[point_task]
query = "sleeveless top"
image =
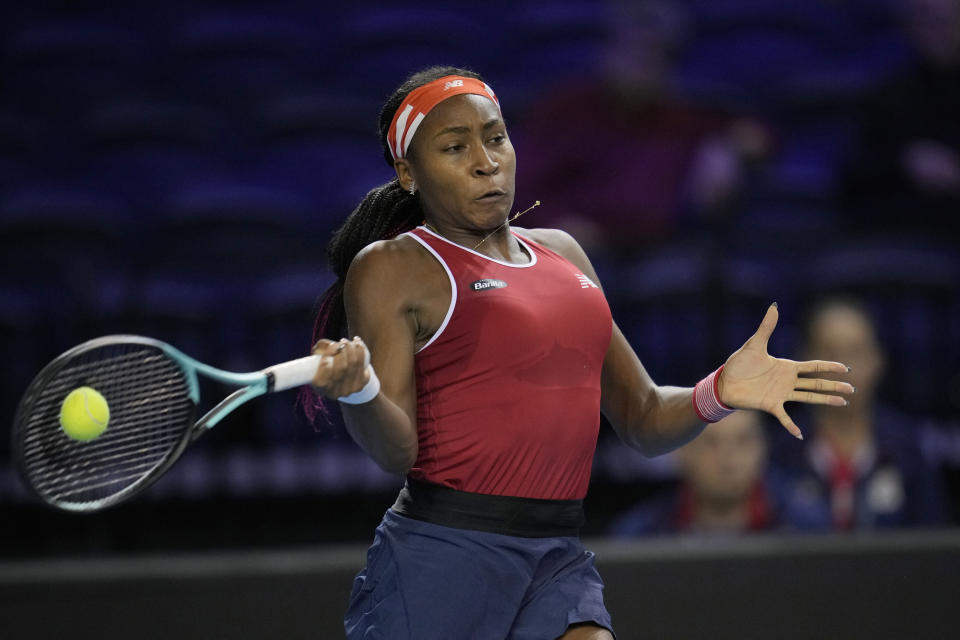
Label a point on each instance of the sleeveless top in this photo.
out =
(508, 388)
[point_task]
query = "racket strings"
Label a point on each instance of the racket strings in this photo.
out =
(150, 409)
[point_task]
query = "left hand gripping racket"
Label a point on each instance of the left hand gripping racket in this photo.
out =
(153, 393)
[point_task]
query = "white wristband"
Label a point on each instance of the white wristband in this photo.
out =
(368, 393)
(706, 400)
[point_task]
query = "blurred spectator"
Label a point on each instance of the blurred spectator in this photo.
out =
(619, 157)
(905, 171)
(862, 467)
(722, 490)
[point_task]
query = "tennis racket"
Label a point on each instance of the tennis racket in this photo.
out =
(153, 394)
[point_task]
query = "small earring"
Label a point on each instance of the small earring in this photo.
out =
(413, 188)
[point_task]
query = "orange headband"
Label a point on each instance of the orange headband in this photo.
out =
(422, 100)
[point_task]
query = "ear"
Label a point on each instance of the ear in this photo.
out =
(404, 173)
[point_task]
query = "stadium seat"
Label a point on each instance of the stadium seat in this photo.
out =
(231, 226)
(386, 42)
(658, 301)
(754, 60)
(57, 64)
(231, 57)
(912, 289)
(336, 172)
(142, 149)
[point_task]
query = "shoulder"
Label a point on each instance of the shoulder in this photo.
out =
(556, 240)
(559, 242)
(402, 250)
(391, 266)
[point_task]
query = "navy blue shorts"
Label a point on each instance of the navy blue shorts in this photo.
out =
(428, 581)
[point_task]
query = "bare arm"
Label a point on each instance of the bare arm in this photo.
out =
(377, 298)
(656, 419)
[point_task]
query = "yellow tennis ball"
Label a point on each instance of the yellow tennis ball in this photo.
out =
(84, 414)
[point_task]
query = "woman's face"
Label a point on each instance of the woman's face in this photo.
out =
(463, 164)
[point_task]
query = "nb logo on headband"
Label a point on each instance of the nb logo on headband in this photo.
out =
(452, 83)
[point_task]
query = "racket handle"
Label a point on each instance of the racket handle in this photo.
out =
(299, 372)
(294, 373)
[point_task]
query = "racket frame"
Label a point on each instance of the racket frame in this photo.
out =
(279, 377)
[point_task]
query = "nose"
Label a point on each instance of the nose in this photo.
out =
(485, 165)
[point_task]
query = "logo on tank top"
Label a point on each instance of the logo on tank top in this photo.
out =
(585, 282)
(487, 283)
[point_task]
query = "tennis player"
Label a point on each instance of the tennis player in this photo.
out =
(493, 353)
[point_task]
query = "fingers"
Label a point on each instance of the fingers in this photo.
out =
(819, 390)
(814, 391)
(817, 398)
(788, 424)
(325, 347)
(824, 386)
(767, 325)
(356, 361)
(343, 370)
(822, 366)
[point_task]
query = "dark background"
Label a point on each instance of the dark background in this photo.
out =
(175, 170)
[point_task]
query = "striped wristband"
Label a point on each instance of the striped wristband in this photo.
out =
(706, 399)
(368, 393)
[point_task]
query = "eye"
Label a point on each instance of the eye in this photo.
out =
(453, 148)
(498, 139)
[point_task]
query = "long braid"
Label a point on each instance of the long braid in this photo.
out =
(368, 222)
(384, 213)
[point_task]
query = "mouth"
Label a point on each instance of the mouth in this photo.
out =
(493, 194)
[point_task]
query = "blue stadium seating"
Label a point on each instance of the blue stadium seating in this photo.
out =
(912, 288)
(176, 169)
(142, 149)
(231, 57)
(58, 64)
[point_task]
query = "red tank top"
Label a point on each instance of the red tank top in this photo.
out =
(508, 389)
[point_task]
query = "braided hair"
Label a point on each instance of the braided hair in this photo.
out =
(384, 213)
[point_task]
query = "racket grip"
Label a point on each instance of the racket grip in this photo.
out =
(294, 373)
